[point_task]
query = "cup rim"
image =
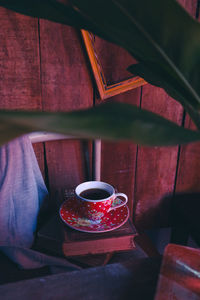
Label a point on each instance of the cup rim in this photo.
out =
(94, 181)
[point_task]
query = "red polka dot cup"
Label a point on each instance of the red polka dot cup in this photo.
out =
(97, 198)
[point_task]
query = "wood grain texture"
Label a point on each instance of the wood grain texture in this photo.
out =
(118, 167)
(119, 158)
(66, 86)
(114, 62)
(19, 62)
(65, 164)
(190, 6)
(188, 176)
(39, 153)
(179, 274)
(156, 167)
(19, 66)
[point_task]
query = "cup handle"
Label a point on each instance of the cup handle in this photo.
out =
(121, 204)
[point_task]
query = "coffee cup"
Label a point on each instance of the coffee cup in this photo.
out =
(96, 199)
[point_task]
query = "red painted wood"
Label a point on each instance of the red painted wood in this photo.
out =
(114, 62)
(118, 167)
(179, 275)
(190, 6)
(156, 167)
(66, 86)
(19, 61)
(188, 177)
(118, 159)
(19, 66)
(65, 164)
(39, 153)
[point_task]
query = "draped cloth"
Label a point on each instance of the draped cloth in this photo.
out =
(22, 194)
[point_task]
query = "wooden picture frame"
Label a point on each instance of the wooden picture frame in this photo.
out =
(105, 90)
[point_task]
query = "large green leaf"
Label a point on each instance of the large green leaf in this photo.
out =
(46, 9)
(164, 81)
(159, 34)
(112, 121)
(50, 10)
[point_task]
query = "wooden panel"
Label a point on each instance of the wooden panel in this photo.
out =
(118, 167)
(66, 86)
(179, 274)
(190, 6)
(188, 176)
(65, 164)
(39, 153)
(156, 167)
(114, 62)
(19, 61)
(19, 66)
(118, 159)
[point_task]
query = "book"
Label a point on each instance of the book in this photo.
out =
(56, 237)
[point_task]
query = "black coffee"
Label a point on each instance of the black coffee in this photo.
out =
(95, 194)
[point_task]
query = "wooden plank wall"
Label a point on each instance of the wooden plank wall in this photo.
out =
(118, 159)
(157, 167)
(147, 174)
(43, 66)
(188, 175)
(66, 85)
(20, 67)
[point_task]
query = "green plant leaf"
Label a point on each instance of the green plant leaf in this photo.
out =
(51, 10)
(161, 80)
(158, 33)
(46, 9)
(111, 121)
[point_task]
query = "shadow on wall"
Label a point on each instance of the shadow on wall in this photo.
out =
(156, 216)
(171, 210)
(183, 225)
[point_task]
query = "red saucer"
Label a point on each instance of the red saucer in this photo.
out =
(69, 213)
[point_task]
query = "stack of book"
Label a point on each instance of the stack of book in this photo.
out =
(56, 237)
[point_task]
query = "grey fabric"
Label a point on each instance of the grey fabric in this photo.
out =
(22, 193)
(31, 259)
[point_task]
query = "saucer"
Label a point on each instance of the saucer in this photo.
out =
(113, 219)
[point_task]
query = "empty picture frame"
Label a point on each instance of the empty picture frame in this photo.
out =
(106, 90)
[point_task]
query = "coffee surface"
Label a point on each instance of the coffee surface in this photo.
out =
(95, 194)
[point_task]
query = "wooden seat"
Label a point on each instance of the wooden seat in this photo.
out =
(132, 279)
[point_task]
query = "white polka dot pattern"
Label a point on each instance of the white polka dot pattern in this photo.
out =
(72, 214)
